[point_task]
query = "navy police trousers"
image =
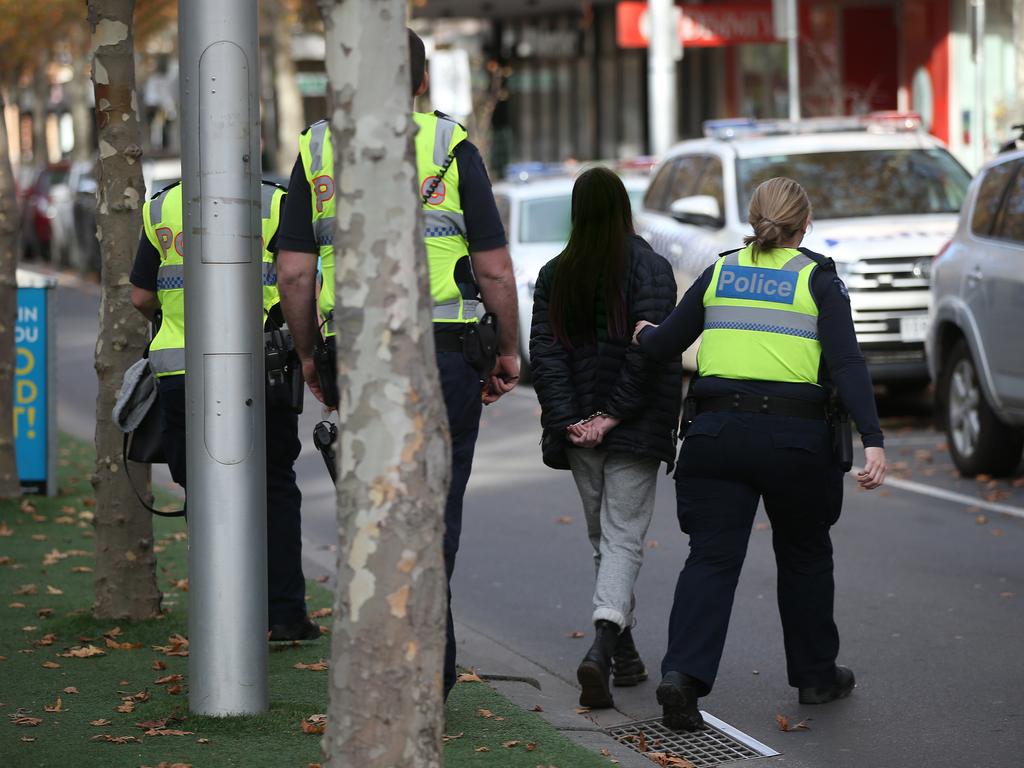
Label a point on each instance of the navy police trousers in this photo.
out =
(286, 584)
(728, 462)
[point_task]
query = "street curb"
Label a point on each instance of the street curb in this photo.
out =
(557, 697)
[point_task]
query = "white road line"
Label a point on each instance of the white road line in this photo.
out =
(941, 493)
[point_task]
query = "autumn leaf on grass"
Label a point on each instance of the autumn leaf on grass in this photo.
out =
(25, 721)
(5, 530)
(26, 589)
(181, 584)
(115, 739)
(47, 639)
(83, 652)
(101, 723)
(319, 666)
(38, 537)
(482, 749)
(126, 707)
(52, 590)
(159, 666)
(55, 707)
(536, 708)
(174, 690)
(81, 569)
(51, 665)
(70, 689)
(28, 739)
(177, 646)
(28, 507)
(168, 679)
(122, 646)
(64, 520)
(510, 744)
(485, 713)
(785, 725)
(16, 605)
(44, 613)
(469, 677)
(139, 697)
(148, 725)
(446, 737)
(319, 613)
(314, 724)
(168, 732)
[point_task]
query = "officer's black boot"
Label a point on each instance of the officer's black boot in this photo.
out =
(627, 668)
(677, 694)
(593, 671)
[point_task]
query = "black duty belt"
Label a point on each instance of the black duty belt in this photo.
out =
(774, 406)
(448, 336)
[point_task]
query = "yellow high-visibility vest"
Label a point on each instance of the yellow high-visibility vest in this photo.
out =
(163, 221)
(760, 318)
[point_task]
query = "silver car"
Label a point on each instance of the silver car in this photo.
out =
(975, 353)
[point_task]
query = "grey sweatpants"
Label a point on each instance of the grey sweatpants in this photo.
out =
(617, 490)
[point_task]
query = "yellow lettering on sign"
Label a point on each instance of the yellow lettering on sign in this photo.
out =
(25, 361)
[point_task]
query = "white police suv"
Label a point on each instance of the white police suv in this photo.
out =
(885, 196)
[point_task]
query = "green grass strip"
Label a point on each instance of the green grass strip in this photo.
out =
(52, 714)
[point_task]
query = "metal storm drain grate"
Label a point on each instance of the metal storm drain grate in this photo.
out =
(719, 743)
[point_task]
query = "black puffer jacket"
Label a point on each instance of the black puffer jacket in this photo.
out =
(612, 375)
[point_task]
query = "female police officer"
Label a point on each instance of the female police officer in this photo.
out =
(778, 335)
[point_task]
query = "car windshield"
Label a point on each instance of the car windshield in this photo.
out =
(548, 219)
(545, 220)
(879, 182)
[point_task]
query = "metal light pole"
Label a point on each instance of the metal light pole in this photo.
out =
(978, 113)
(662, 46)
(226, 460)
(792, 38)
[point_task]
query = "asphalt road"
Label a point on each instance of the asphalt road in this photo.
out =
(929, 598)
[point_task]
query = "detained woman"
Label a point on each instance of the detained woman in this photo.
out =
(609, 413)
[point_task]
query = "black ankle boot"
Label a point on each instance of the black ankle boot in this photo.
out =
(627, 668)
(677, 694)
(593, 671)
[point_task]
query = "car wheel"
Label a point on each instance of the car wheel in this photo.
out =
(978, 441)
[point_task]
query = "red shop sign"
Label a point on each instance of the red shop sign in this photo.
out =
(702, 26)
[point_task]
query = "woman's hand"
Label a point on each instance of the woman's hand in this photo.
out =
(639, 327)
(873, 474)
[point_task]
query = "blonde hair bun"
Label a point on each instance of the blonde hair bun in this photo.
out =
(779, 208)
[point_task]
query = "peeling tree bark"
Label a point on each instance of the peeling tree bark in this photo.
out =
(125, 563)
(9, 483)
(388, 639)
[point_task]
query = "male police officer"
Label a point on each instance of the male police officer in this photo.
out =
(158, 280)
(467, 253)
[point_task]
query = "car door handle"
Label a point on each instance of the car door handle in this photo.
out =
(975, 275)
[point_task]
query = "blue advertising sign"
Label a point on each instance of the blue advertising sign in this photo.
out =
(32, 428)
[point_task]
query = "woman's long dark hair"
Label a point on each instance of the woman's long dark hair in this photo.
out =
(593, 264)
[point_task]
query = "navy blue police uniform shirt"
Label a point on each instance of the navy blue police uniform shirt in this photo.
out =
(842, 362)
(147, 260)
(484, 229)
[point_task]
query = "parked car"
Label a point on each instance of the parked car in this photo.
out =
(38, 210)
(885, 198)
(537, 222)
(974, 352)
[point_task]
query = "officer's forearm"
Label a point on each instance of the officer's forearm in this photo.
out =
(493, 270)
(145, 301)
(296, 282)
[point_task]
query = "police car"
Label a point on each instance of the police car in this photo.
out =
(885, 194)
(535, 209)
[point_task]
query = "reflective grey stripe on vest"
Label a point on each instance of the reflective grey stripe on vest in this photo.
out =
(317, 133)
(269, 273)
(267, 199)
(450, 310)
(323, 230)
(170, 277)
(761, 319)
(156, 207)
(795, 264)
(443, 133)
(167, 360)
(443, 224)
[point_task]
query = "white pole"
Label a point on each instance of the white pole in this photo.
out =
(978, 123)
(226, 459)
(661, 74)
(792, 38)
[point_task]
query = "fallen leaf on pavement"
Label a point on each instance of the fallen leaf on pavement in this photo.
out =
(1006, 594)
(653, 544)
(997, 531)
(468, 677)
(582, 710)
(981, 519)
(55, 707)
(115, 739)
(576, 635)
(667, 761)
(564, 520)
(785, 725)
(536, 708)
(99, 723)
(318, 666)
(605, 752)
(762, 526)
(323, 579)
(983, 478)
